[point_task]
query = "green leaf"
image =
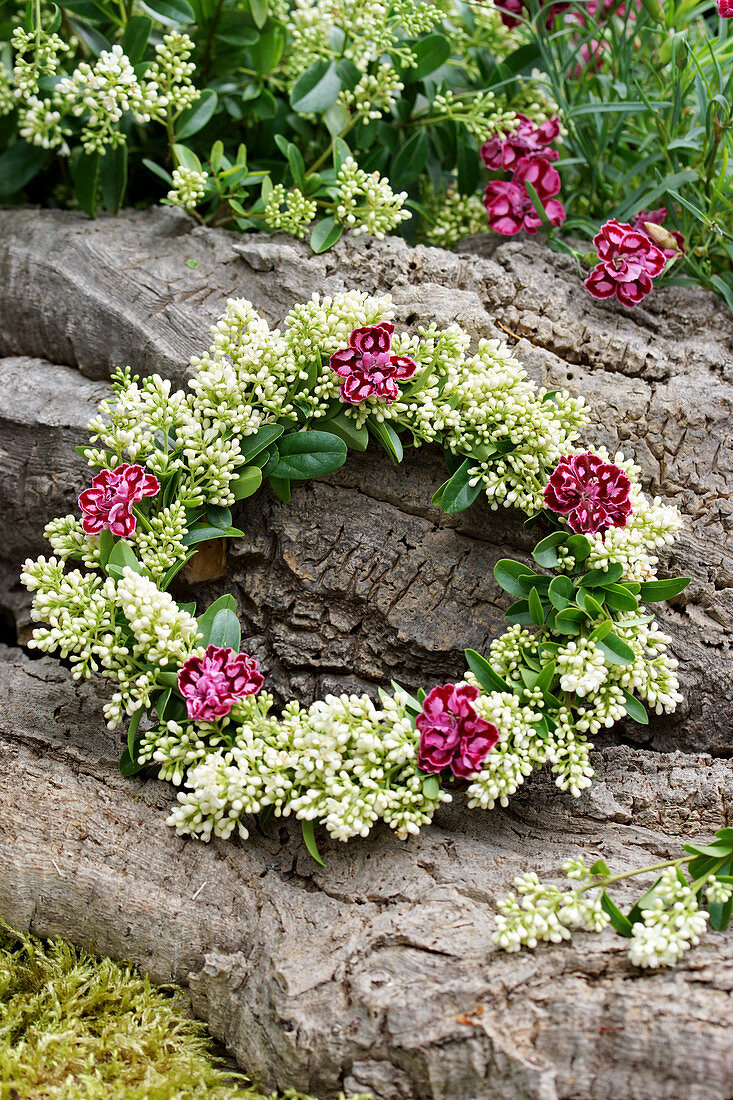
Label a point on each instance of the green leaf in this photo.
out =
(122, 556)
(545, 678)
(600, 869)
(726, 835)
(260, 10)
(601, 631)
(308, 454)
(431, 786)
(387, 436)
(519, 613)
(219, 516)
(309, 837)
(653, 591)
(132, 732)
(590, 605)
(247, 484)
(619, 922)
(106, 542)
(615, 651)
(597, 578)
(717, 851)
(569, 621)
(325, 233)
(579, 547)
(412, 703)
(458, 494)
(561, 592)
(175, 569)
(545, 552)
(206, 532)
(431, 51)
(281, 488)
(136, 35)
(635, 709)
(536, 610)
(316, 89)
(186, 158)
(113, 177)
(507, 574)
(225, 630)
(484, 673)
(206, 620)
(410, 161)
(345, 428)
(128, 766)
(158, 171)
(618, 597)
(251, 445)
(195, 117)
(170, 12)
(84, 175)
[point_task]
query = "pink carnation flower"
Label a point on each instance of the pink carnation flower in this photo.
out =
(211, 684)
(503, 154)
(109, 500)
(509, 206)
(451, 733)
(510, 10)
(593, 494)
(368, 367)
(628, 263)
(725, 9)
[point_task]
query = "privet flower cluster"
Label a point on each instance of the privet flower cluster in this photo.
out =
(170, 463)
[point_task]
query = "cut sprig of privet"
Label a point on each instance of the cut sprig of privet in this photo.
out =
(663, 923)
(581, 652)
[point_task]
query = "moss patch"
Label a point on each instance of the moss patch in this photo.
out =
(73, 1027)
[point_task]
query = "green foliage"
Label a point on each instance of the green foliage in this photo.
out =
(72, 1026)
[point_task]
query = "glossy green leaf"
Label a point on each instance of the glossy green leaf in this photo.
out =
(600, 869)
(219, 516)
(536, 610)
(206, 620)
(561, 592)
(618, 597)
(635, 709)
(458, 494)
(247, 484)
(357, 439)
(251, 445)
(136, 35)
(316, 89)
(309, 837)
(113, 178)
(170, 12)
(545, 678)
(545, 552)
(225, 630)
(206, 532)
(599, 577)
(260, 10)
(308, 454)
(410, 161)
(195, 117)
(619, 922)
(519, 613)
(122, 557)
(106, 543)
(325, 233)
(385, 434)
(431, 786)
(578, 546)
(281, 488)
(431, 51)
(569, 621)
(84, 169)
(484, 673)
(615, 651)
(507, 573)
(653, 591)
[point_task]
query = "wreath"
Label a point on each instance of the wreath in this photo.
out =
(581, 651)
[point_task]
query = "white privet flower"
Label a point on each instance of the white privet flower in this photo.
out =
(374, 93)
(477, 111)
(164, 634)
(44, 60)
(453, 216)
(366, 202)
(161, 546)
(544, 913)
(168, 80)
(189, 187)
(671, 925)
(289, 210)
(716, 892)
(39, 124)
(101, 94)
(581, 666)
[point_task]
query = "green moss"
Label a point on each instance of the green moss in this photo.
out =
(73, 1027)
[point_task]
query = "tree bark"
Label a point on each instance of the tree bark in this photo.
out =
(377, 973)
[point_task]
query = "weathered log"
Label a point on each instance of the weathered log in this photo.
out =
(377, 973)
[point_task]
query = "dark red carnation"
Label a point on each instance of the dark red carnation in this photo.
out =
(368, 367)
(451, 733)
(212, 683)
(109, 500)
(593, 494)
(628, 262)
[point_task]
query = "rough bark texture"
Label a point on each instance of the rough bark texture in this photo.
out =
(377, 973)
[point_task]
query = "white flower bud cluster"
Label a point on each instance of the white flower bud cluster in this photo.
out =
(45, 58)
(477, 111)
(670, 926)
(69, 540)
(7, 98)
(170, 76)
(342, 762)
(544, 914)
(453, 216)
(373, 95)
(519, 751)
(289, 210)
(40, 124)
(164, 634)
(717, 892)
(161, 546)
(582, 667)
(366, 202)
(101, 94)
(189, 187)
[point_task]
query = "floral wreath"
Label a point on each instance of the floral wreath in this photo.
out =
(581, 650)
